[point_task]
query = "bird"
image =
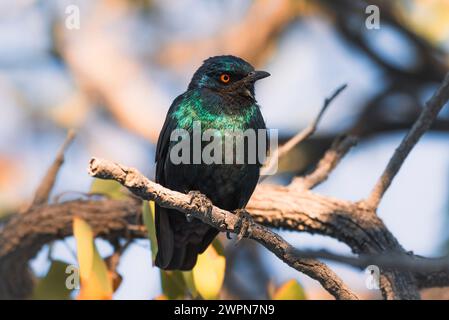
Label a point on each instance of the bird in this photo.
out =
(220, 96)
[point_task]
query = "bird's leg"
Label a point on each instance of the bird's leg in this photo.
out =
(245, 223)
(200, 201)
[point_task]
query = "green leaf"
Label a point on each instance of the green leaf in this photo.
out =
(53, 285)
(290, 290)
(110, 188)
(208, 273)
(218, 246)
(190, 283)
(173, 284)
(148, 220)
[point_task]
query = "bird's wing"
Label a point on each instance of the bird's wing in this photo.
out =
(164, 232)
(179, 241)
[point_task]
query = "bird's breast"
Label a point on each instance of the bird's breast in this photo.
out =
(213, 114)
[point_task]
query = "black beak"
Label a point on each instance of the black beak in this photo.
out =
(256, 75)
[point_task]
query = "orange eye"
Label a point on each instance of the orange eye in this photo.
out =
(225, 78)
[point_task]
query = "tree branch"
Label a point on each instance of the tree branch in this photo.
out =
(24, 235)
(43, 191)
(328, 163)
(422, 124)
(356, 224)
(221, 219)
(299, 137)
(404, 262)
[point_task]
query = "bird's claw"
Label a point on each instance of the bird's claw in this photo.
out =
(200, 201)
(245, 223)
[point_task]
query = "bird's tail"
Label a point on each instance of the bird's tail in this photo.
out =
(180, 241)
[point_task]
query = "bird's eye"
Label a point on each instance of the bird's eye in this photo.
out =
(225, 78)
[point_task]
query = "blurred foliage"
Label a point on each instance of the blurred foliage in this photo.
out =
(429, 18)
(289, 290)
(204, 281)
(148, 220)
(110, 188)
(53, 285)
(96, 280)
(173, 284)
(190, 283)
(209, 271)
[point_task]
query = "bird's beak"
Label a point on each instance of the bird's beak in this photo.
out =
(256, 75)
(248, 82)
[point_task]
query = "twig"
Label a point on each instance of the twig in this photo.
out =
(422, 124)
(114, 259)
(43, 191)
(404, 262)
(220, 219)
(300, 136)
(328, 163)
(432, 279)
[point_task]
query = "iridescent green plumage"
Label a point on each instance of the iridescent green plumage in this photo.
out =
(193, 107)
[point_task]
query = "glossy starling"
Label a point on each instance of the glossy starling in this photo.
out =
(220, 96)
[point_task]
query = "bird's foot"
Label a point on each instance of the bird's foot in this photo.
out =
(244, 225)
(200, 201)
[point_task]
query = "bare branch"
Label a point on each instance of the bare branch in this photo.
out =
(220, 219)
(302, 210)
(328, 163)
(43, 191)
(24, 235)
(432, 279)
(393, 260)
(271, 205)
(422, 124)
(300, 136)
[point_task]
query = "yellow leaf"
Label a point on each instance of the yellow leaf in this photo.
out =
(208, 273)
(99, 284)
(85, 246)
(290, 290)
(148, 220)
(110, 188)
(96, 281)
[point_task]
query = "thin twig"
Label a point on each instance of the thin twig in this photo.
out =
(422, 124)
(43, 191)
(300, 136)
(403, 262)
(327, 163)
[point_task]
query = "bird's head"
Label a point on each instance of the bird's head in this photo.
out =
(227, 75)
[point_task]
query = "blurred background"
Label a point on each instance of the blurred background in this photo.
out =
(114, 77)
